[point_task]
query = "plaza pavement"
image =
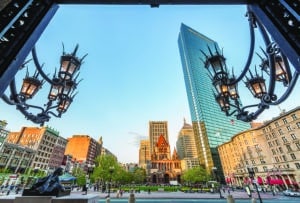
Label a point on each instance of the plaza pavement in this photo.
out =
(163, 195)
(182, 195)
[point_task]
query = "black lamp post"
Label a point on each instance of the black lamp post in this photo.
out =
(216, 177)
(60, 96)
(251, 176)
(35, 172)
(111, 170)
(90, 169)
(273, 62)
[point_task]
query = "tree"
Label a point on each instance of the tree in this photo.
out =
(106, 166)
(196, 175)
(139, 175)
(80, 176)
(81, 180)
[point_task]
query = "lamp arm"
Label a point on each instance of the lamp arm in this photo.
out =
(22, 105)
(252, 25)
(49, 107)
(237, 109)
(245, 116)
(13, 91)
(250, 106)
(30, 116)
(255, 114)
(39, 68)
(7, 100)
(231, 113)
(34, 118)
(53, 114)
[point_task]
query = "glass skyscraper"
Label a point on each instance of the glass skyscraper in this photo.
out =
(211, 126)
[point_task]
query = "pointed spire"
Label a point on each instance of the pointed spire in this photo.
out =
(100, 141)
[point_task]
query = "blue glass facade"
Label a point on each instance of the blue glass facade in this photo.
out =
(211, 126)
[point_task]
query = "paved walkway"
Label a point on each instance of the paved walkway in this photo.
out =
(165, 195)
(180, 195)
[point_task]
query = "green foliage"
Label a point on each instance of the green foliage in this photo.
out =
(81, 180)
(139, 175)
(78, 172)
(27, 171)
(107, 168)
(196, 175)
(34, 172)
(5, 170)
(80, 175)
(123, 177)
(152, 188)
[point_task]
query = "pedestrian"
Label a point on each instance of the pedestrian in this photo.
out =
(17, 189)
(11, 187)
(248, 191)
(84, 189)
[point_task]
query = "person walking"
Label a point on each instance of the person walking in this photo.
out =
(84, 189)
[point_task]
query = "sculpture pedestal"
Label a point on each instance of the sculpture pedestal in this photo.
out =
(33, 199)
(73, 198)
(29, 192)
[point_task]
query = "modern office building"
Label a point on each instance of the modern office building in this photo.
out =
(211, 126)
(156, 129)
(186, 147)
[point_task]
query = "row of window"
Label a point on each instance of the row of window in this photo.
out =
(284, 139)
(283, 158)
(297, 165)
(284, 121)
(4, 161)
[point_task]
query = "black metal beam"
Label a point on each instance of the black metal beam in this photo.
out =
(158, 2)
(282, 20)
(21, 24)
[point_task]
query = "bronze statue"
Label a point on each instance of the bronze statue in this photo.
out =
(48, 186)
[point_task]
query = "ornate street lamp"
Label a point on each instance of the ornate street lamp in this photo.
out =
(90, 169)
(216, 177)
(273, 62)
(61, 92)
(251, 176)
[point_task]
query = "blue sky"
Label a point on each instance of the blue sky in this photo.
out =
(132, 74)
